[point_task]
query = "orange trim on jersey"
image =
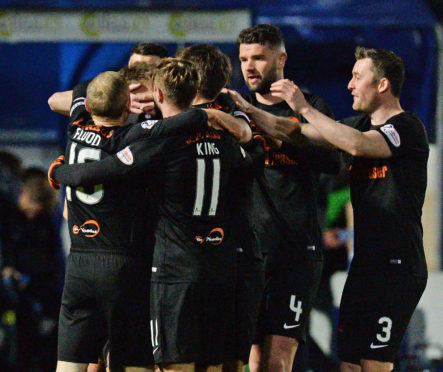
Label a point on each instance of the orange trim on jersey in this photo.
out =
(104, 131)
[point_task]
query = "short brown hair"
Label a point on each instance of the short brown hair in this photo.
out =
(179, 79)
(264, 34)
(107, 95)
(386, 64)
(139, 72)
(213, 65)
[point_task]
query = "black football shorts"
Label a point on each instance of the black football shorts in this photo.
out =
(192, 322)
(291, 285)
(374, 314)
(105, 301)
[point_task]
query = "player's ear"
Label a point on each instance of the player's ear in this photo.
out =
(282, 60)
(384, 85)
(158, 92)
(87, 106)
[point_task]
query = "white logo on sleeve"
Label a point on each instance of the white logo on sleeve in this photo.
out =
(392, 134)
(126, 156)
(148, 124)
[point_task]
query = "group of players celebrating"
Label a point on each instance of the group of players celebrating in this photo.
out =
(195, 242)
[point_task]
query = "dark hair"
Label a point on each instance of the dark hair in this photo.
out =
(263, 34)
(213, 66)
(140, 72)
(386, 64)
(150, 49)
(10, 161)
(34, 181)
(179, 79)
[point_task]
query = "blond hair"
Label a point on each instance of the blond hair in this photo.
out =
(107, 95)
(179, 81)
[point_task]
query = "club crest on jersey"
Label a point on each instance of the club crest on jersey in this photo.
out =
(90, 228)
(148, 124)
(126, 156)
(215, 237)
(391, 134)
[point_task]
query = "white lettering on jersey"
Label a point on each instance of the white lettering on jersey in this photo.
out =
(126, 156)
(391, 134)
(90, 138)
(207, 148)
(148, 124)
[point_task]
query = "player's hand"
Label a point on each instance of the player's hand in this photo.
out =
(142, 101)
(291, 93)
(240, 102)
(57, 162)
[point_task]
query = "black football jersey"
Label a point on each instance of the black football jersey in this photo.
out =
(284, 199)
(241, 185)
(387, 197)
(191, 174)
(100, 218)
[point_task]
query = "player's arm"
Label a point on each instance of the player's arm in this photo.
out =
(128, 164)
(282, 128)
(366, 144)
(60, 102)
(238, 127)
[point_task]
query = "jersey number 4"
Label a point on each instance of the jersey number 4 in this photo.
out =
(200, 187)
(81, 156)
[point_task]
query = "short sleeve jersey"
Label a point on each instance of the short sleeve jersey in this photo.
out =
(387, 197)
(92, 210)
(284, 205)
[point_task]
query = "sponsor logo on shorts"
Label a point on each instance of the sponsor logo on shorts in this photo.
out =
(148, 124)
(372, 346)
(126, 156)
(215, 237)
(391, 134)
(296, 307)
(289, 326)
(90, 228)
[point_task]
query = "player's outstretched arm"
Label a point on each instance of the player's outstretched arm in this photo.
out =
(276, 126)
(60, 102)
(365, 144)
(237, 127)
(127, 165)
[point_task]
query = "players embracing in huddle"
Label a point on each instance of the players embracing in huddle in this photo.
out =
(228, 235)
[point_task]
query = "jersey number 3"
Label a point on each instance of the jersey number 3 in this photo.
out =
(82, 156)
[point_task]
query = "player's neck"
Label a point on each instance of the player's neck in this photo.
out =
(385, 111)
(199, 100)
(170, 110)
(267, 99)
(107, 122)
